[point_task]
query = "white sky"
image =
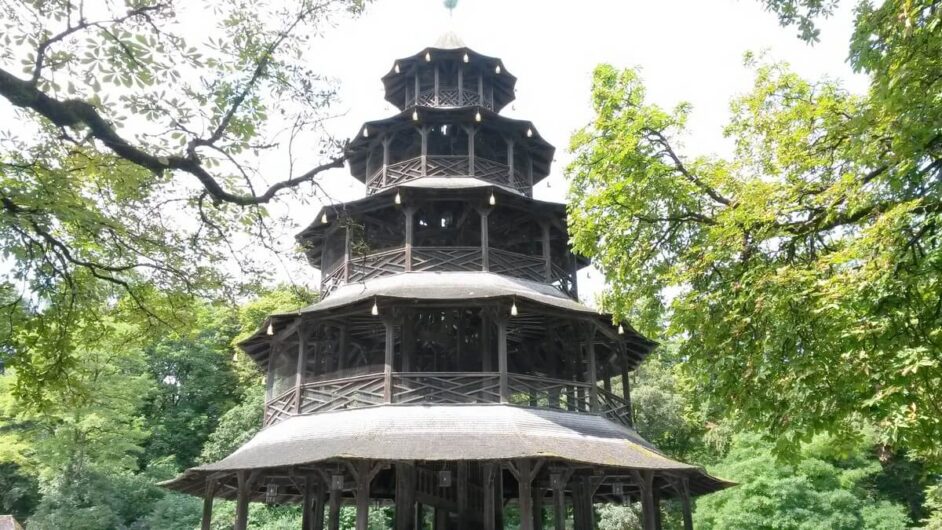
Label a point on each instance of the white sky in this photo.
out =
(687, 50)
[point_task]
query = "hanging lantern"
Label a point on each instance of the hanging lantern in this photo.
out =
(398, 199)
(271, 328)
(397, 68)
(621, 329)
(529, 132)
(366, 132)
(375, 310)
(444, 479)
(493, 200)
(618, 489)
(513, 309)
(497, 69)
(428, 56)
(465, 58)
(271, 494)
(477, 116)
(415, 115)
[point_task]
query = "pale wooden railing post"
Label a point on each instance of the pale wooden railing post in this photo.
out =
(502, 358)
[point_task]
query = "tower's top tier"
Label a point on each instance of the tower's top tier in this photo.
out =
(449, 74)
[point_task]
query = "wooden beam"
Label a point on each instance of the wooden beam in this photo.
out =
(489, 514)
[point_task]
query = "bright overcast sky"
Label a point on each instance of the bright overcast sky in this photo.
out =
(687, 51)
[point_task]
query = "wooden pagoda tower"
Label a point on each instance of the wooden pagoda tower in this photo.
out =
(448, 368)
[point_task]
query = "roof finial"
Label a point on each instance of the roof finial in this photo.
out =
(450, 5)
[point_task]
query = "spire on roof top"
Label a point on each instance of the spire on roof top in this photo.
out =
(449, 40)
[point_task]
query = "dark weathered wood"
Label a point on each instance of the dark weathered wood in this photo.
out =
(364, 471)
(464, 515)
(333, 515)
(547, 258)
(645, 479)
(409, 213)
(207, 520)
(307, 504)
(485, 259)
(502, 359)
(538, 493)
(490, 512)
(626, 385)
(685, 503)
(592, 371)
(525, 470)
(388, 360)
(244, 480)
(405, 496)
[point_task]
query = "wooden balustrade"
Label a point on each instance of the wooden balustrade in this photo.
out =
(447, 166)
(444, 388)
(441, 259)
(450, 96)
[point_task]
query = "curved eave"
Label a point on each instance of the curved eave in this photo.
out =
(428, 187)
(464, 287)
(449, 433)
(393, 82)
(359, 145)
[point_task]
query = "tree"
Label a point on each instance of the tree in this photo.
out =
(826, 487)
(131, 156)
(805, 269)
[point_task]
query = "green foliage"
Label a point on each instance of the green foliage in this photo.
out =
(826, 487)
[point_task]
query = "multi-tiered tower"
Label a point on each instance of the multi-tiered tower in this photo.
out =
(449, 366)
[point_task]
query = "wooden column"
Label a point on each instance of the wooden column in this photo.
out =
(386, 141)
(510, 163)
(364, 473)
(558, 481)
(417, 85)
(592, 370)
(336, 489)
(405, 496)
(524, 471)
(407, 339)
(388, 361)
(649, 517)
(342, 347)
(481, 88)
(463, 515)
(626, 384)
(346, 255)
(572, 270)
(547, 259)
(538, 507)
(472, 132)
(207, 521)
(460, 86)
(436, 100)
(409, 213)
(489, 514)
(502, 358)
(307, 505)
(299, 376)
(423, 131)
(485, 243)
(530, 172)
(440, 519)
(685, 502)
(580, 518)
(244, 481)
(321, 486)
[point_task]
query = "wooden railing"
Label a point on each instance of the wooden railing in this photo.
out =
(463, 258)
(446, 388)
(447, 166)
(449, 96)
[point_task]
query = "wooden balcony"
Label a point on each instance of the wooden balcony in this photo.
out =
(452, 96)
(439, 259)
(447, 388)
(448, 166)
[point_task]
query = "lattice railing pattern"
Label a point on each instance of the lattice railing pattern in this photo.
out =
(281, 407)
(446, 387)
(545, 392)
(447, 166)
(350, 393)
(446, 259)
(448, 97)
(518, 265)
(377, 264)
(614, 407)
(332, 279)
(563, 280)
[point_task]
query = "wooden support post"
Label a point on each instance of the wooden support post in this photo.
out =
(481, 89)
(207, 521)
(364, 471)
(244, 481)
(417, 85)
(436, 99)
(558, 480)
(573, 270)
(626, 384)
(524, 471)
(462, 490)
(547, 259)
(579, 516)
(342, 347)
(407, 339)
(649, 517)
(302, 366)
(488, 479)
(592, 370)
(485, 244)
(423, 131)
(346, 255)
(657, 511)
(388, 361)
(409, 213)
(307, 505)
(440, 521)
(386, 141)
(510, 163)
(419, 516)
(321, 486)
(336, 489)
(502, 358)
(460, 86)
(685, 502)
(530, 173)
(538, 507)
(405, 496)
(472, 132)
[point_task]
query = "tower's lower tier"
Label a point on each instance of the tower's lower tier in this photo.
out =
(464, 462)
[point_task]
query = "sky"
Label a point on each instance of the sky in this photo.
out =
(690, 50)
